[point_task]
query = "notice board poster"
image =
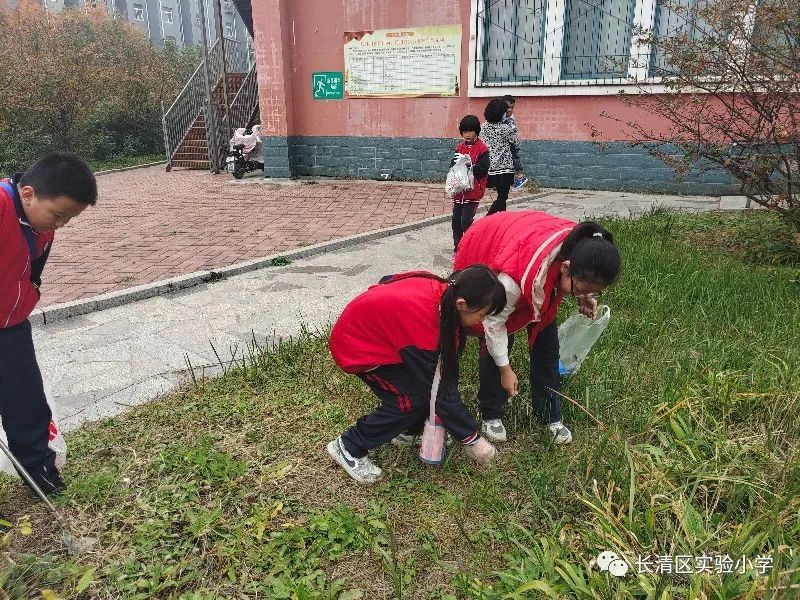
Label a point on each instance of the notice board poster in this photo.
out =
(403, 63)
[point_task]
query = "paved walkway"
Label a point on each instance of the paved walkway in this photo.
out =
(149, 225)
(103, 362)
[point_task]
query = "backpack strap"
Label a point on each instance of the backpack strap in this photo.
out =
(27, 230)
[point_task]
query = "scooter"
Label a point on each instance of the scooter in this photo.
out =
(246, 153)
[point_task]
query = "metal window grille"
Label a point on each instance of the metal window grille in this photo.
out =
(597, 38)
(513, 40)
(569, 42)
(672, 18)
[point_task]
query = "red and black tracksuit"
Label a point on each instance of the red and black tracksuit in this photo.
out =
(523, 245)
(465, 204)
(389, 337)
(23, 405)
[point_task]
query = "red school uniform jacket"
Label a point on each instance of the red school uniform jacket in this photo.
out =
(479, 154)
(389, 324)
(23, 253)
(520, 244)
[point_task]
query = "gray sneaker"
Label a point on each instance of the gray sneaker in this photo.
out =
(482, 452)
(361, 469)
(406, 440)
(494, 430)
(561, 435)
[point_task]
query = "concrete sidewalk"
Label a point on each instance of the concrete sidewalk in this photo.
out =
(150, 225)
(101, 363)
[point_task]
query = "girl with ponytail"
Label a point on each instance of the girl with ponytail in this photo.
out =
(393, 336)
(539, 259)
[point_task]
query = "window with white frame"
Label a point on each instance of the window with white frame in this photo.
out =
(679, 18)
(138, 12)
(574, 42)
(166, 15)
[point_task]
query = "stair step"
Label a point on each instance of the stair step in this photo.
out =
(193, 147)
(194, 143)
(188, 156)
(191, 164)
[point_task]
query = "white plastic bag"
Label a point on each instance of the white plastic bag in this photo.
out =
(459, 177)
(577, 335)
(57, 442)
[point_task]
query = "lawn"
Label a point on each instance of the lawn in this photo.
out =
(686, 445)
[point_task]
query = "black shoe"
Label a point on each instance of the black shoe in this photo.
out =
(49, 481)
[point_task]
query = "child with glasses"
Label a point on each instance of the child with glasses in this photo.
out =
(539, 259)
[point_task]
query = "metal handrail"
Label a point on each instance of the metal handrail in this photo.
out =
(245, 102)
(197, 73)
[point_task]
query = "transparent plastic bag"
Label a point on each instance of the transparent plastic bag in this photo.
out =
(577, 335)
(459, 178)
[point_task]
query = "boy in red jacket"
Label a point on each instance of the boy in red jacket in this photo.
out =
(32, 206)
(465, 204)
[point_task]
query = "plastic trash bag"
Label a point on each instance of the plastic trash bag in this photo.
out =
(577, 335)
(57, 442)
(459, 178)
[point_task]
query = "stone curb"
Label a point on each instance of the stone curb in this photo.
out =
(66, 310)
(109, 171)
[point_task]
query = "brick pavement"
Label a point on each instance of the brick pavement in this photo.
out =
(150, 225)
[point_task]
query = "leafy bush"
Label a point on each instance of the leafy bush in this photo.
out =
(96, 90)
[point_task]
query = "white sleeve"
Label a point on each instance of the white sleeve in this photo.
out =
(494, 326)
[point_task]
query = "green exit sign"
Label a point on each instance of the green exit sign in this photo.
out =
(328, 85)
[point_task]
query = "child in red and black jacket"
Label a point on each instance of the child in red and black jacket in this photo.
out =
(465, 204)
(32, 206)
(393, 336)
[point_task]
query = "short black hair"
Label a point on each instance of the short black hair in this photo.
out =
(495, 110)
(62, 174)
(470, 123)
(509, 99)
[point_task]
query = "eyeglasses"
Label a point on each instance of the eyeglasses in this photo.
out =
(587, 295)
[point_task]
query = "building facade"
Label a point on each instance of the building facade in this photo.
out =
(564, 60)
(177, 21)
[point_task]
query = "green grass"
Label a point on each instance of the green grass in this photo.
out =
(224, 490)
(121, 162)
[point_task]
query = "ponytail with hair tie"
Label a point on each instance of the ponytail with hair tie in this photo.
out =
(479, 287)
(592, 255)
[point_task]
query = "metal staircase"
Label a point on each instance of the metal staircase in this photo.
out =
(188, 138)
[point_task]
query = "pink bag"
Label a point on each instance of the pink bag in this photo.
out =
(434, 437)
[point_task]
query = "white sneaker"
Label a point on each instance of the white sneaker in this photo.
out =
(561, 435)
(361, 469)
(494, 430)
